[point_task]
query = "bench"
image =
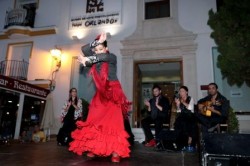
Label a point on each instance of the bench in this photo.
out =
(222, 126)
(164, 125)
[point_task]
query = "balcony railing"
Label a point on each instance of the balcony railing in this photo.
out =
(15, 69)
(20, 17)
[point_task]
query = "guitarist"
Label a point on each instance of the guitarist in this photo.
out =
(212, 109)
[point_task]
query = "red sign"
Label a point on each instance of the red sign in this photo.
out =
(21, 86)
(204, 87)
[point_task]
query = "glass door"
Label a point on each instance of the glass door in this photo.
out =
(8, 113)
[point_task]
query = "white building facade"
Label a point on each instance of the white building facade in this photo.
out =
(183, 36)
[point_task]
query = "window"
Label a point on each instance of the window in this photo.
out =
(157, 9)
(26, 3)
(17, 61)
(238, 96)
(33, 111)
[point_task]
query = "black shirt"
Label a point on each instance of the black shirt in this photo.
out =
(221, 105)
(155, 112)
(99, 58)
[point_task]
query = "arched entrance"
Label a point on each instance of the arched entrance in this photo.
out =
(180, 49)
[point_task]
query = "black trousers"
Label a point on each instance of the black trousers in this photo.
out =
(129, 131)
(147, 128)
(208, 122)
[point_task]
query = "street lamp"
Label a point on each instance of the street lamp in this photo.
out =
(56, 54)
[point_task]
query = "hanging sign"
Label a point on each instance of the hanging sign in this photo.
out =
(21, 86)
(94, 13)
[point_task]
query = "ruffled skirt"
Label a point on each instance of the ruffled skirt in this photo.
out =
(103, 132)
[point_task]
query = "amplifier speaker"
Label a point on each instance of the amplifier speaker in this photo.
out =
(225, 150)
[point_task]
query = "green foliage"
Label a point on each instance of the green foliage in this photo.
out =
(231, 32)
(233, 123)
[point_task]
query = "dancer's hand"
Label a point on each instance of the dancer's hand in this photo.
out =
(103, 37)
(82, 59)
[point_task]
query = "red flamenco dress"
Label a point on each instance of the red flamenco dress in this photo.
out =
(103, 132)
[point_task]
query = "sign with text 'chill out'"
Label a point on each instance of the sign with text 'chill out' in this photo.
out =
(94, 13)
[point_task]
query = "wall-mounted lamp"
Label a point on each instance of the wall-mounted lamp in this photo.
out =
(56, 54)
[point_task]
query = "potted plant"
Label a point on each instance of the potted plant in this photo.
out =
(233, 123)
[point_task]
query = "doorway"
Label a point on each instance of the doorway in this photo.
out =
(8, 113)
(166, 73)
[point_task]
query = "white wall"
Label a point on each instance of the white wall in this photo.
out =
(57, 12)
(49, 13)
(244, 122)
(193, 16)
(72, 48)
(4, 6)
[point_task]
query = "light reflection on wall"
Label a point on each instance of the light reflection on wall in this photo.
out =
(81, 33)
(161, 79)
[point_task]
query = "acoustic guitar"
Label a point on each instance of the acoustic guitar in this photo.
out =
(206, 111)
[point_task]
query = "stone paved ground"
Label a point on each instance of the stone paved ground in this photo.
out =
(49, 154)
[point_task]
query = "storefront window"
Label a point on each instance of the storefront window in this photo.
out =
(8, 113)
(33, 110)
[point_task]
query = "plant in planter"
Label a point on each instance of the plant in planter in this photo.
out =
(233, 123)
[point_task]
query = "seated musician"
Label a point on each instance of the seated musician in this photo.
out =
(212, 109)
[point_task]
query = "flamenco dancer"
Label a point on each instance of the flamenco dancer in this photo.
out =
(103, 133)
